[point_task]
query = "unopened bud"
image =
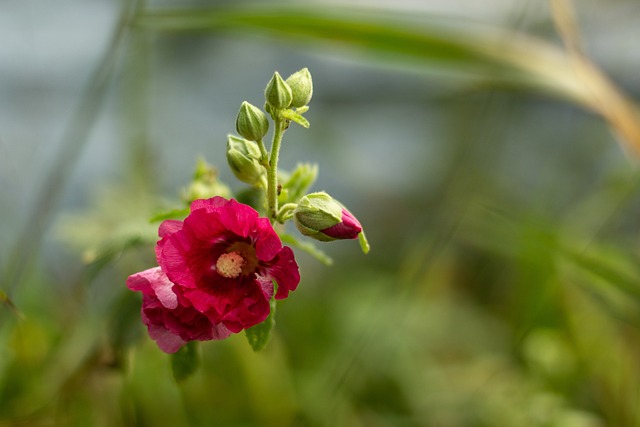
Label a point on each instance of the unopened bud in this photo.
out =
(323, 218)
(205, 184)
(301, 87)
(278, 93)
(243, 157)
(251, 122)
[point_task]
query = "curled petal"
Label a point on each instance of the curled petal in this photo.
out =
(284, 270)
(154, 281)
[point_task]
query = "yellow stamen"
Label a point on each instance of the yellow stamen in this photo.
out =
(229, 265)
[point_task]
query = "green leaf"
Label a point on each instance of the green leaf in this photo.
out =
(185, 362)
(258, 335)
(178, 213)
(295, 117)
(308, 247)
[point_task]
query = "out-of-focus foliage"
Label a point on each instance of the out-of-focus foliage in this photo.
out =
(503, 288)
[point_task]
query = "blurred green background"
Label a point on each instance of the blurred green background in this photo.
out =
(503, 286)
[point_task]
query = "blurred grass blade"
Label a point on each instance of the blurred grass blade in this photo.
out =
(4, 298)
(74, 138)
(308, 247)
(503, 57)
(612, 269)
(564, 18)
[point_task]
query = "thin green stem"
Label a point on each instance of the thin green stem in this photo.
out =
(272, 170)
(264, 160)
(285, 212)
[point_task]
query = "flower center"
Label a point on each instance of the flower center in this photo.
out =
(229, 265)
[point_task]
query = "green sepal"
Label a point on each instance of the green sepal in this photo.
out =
(185, 362)
(295, 117)
(258, 335)
(316, 212)
(364, 244)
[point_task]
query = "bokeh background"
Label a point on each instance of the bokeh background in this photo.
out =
(498, 190)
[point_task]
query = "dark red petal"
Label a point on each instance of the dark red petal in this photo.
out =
(166, 340)
(219, 332)
(238, 218)
(204, 226)
(188, 254)
(284, 270)
(267, 242)
(171, 254)
(266, 284)
(238, 304)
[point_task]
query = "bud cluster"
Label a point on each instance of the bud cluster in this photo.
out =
(316, 215)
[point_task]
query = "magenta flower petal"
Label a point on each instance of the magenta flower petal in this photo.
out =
(348, 228)
(268, 244)
(236, 304)
(238, 218)
(223, 258)
(154, 281)
(216, 274)
(284, 270)
(170, 319)
(169, 226)
(209, 205)
(166, 340)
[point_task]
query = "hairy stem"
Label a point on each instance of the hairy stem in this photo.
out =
(272, 170)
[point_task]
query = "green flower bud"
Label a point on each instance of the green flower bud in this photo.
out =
(205, 184)
(278, 93)
(321, 217)
(251, 122)
(243, 157)
(301, 87)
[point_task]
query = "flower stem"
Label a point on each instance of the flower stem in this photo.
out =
(272, 170)
(264, 159)
(285, 212)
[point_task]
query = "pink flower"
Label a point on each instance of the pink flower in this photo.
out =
(216, 275)
(171, 320)
(225, 258)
